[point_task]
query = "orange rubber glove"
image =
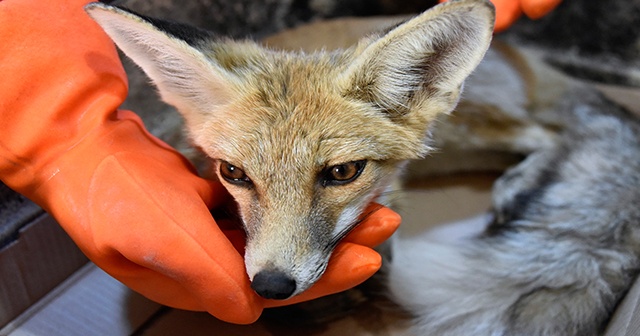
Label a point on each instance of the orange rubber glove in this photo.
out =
(132, 204)
(508, 11)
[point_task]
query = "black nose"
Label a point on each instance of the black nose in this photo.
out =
(273, 285)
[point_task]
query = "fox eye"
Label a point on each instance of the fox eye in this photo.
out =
(233, 174)
(343, 173)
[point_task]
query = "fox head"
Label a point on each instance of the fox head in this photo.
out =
(303, 142)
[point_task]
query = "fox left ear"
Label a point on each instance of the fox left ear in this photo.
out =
(168, 54)
(424, 60)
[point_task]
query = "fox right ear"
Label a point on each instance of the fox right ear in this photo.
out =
(167, 53)
(424, 61)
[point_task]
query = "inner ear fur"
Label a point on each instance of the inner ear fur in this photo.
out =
(168, 53)
(428, 56)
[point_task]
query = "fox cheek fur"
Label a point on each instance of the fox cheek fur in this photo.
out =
(284, 118)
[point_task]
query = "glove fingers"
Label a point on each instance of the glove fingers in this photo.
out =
(378, 225)
(152, 285)
(350, 265)
(212, 192)
(171, 233)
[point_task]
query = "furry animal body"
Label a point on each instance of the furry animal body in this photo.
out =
(561, 249)
(303, 141)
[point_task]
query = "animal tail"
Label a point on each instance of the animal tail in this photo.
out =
(484, 285)
(446, 291)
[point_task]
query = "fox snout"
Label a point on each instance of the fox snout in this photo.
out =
(285, 260)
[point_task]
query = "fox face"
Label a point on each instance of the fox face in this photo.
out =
(304, 142)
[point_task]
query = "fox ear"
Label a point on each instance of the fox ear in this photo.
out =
(168, 54)
(425, 59)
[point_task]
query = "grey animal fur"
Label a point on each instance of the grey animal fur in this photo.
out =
(563, 245)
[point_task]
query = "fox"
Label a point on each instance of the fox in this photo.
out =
(303, 139)
(304, 142)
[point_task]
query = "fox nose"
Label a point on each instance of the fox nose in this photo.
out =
(273, 285)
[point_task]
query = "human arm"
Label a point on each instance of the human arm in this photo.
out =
(131, 203)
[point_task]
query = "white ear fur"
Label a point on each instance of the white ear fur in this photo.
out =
(183, 75)
(433, 52)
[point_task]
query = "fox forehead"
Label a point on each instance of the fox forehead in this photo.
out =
(298, 108)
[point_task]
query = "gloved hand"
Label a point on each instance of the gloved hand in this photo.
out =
(508, 11)
(132, 204)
